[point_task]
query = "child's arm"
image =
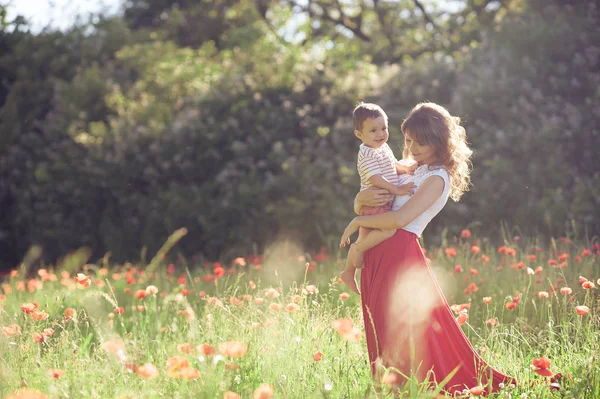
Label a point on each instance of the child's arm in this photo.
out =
(405, 169)
(381, 182)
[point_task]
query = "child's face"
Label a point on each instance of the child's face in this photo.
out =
(374, 132)
(423, 154)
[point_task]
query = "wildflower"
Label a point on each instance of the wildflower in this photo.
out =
(140, 294)
(458, 269)
(82, 280)
(239, 261)
(487, 300)
(462, 318)
(275, 306)
(520, 265)
(485, 258)
(29, 307)
(586, 252)
(532, 258)
(188, 373)
(541, 366)
(272, 293)
(175, 364)
(147, 371)
(206, 350)
(475, 249)
(259, 301)
(474, 272)
(219, 271)
(39, 337)
(119, 310)
(450, 252)
(538, 270)
(186, 348)
(117, 347)
(582, 310)
(344, 296)
(11, 330)
(233, 349)
(70, 312)
(587, 285)
(151, 290)
(265, 391)
(55, 373)
(345, 327)
(318, 356)
(252, 285)
(231, 395)
(292, 307)
(510, 305)
(466, 233)
(476, 391)
(543, 294)
(566, 291)
(491, 322)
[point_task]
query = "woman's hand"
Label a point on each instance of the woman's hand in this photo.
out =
(348, 231)
(372, 196)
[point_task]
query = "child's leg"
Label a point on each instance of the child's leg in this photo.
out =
(374, 238)
(348, 276)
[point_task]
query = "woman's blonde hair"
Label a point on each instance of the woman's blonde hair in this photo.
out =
(432, 124)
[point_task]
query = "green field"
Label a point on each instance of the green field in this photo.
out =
(265, 326)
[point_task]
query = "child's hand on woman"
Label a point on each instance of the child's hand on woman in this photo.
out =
(405, 189)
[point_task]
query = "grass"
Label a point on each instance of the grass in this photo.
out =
(265, 326)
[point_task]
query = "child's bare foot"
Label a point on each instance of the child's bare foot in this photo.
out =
(356, 257)
(347, 277)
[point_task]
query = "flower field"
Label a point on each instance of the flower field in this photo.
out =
(281, 325)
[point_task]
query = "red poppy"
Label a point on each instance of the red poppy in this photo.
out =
(466, 233)
(542, 366)
(582, 310)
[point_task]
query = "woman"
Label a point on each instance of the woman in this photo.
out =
(408, 323)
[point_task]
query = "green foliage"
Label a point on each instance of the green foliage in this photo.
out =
(115, 134)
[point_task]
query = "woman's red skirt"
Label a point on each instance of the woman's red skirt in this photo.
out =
(409, 325)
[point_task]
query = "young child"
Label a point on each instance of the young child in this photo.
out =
(377, 167)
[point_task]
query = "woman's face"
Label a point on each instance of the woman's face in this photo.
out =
(422, 153)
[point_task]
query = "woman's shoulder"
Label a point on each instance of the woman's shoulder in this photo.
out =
(425, 171)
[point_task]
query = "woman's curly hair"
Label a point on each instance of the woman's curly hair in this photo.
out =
(431, 124)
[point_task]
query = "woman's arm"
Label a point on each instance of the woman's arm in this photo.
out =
(429, 191)
(372, 196)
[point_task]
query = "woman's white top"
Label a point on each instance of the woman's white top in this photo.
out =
(421, 174)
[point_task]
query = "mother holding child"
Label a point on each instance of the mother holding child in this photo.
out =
(409, 326)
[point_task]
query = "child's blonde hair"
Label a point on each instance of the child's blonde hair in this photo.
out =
(431, 124)
(364, 111)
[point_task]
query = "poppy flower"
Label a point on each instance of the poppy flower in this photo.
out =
(292, 307)
(219, 272)
(231, 395)
(462, 318)
(466, 233)
(186, 348)
(566, 291)
(82, 280)
(55, 373)
(491, 322)
(476, 391)
(475, 250)
(11, 330)
(450, 252)
(458, 269)
(265, 391)
(115, 346)
(140, 294)
(29, 307)
(345, 327)
(147, 371)
(582, 310)
(541, 366)
(510, 305)
(206, 350)
(233, 349)
(543, 294)
(487, 300)
(344, 296)
(318, 356)
(587, 285)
